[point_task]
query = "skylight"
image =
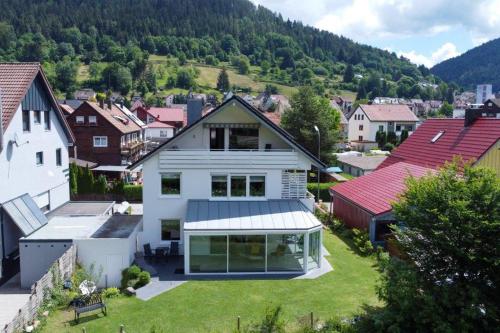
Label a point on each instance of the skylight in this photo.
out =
(437, 136)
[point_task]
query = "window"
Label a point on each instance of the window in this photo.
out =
(80, 120)
(257, 186)
(208, 254)
(219, 186)
(243, 138)
(360, 138)
(171, 184)
(409, 128)
(163, 133)
(58, 157)
(26, 121)
(39, 158)
(437, 136)
(46, 120)
(398, 128)
(381, 128)
(122, 140)
(37, 117)
(134, 137)
(360, 127)
(355, 117)
(170, 230)
(100, 141)
(238, 186)
(362, 117)
(217, 139)
(92, 120)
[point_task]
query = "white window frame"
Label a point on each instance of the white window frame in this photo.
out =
(170, 196)
(78, 118)
(93, 122)
(36, 158)
(247, 186)
(100, 138)
(167, 241)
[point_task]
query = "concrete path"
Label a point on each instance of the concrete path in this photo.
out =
(12, 298)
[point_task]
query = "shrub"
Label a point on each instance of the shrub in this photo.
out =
(130, 276)
(132, 192)
(111, 292)
(388, 146)
(324, 193)
(362, 241)
(143, 279)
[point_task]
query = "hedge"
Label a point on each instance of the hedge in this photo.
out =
(324, 193)
(132, 192)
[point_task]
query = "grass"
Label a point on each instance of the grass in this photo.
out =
(213, 306)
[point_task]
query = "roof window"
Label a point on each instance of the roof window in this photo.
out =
(437, 136)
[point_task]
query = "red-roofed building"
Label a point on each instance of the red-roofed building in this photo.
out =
(170, 116)
(365, 202)
(159, 132)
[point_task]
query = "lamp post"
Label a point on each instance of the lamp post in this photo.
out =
(319, 157)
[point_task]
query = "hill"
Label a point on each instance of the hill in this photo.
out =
(114, 40)
(476, 66)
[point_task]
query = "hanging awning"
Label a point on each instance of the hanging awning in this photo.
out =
(25, 214)
(333, 169)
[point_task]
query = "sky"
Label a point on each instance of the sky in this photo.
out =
(424, 31)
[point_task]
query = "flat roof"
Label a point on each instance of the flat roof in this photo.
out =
(249, 215)
(85, 227)
(82, 208)
(118, 226)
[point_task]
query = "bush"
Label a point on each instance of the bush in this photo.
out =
(111, 292)
(132, 192)
(324, 193)
(143, 279)
(129, 275)
(362, 241)
(388, 146)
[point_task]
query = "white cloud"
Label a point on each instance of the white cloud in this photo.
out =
(446, 51)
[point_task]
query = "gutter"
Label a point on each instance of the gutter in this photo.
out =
(1, 122)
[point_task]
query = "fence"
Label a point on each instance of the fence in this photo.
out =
(64, 267)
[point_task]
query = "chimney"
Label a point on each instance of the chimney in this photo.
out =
(109, 103)
(1, 122)
(194, 110)
(471, 115)
(101, 103)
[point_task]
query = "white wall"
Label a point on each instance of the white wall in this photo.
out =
(354, 132)
(155, 133)
(19, 173)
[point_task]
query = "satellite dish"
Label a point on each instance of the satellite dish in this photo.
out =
(17, 141)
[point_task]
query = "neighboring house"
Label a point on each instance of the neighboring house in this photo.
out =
(105, 135)
(359, 165)
(160, 132)
(34, 143)
(72, 103)
(344, 102)
(483, 93)
(231, 189)
(367, 120)
(365, 202)
(85, 94)
(66, 109)
(170, 116)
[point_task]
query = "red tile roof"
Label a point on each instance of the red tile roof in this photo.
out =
(15, 80)
(167, 114)
(115, 117)
(470, 142)
(158, 124)
(375, 192)
(388, 112)
(66, 109)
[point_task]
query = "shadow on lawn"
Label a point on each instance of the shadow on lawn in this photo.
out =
(85, 319)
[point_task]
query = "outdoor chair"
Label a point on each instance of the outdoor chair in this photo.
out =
(174, 249)
(159, 254)
(148, 254)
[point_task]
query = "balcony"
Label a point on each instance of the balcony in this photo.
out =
(227, 159)
(132, 148)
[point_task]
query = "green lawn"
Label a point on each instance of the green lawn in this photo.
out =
(213, 306)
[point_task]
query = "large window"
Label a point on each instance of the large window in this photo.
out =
(219, 186)
(100, 141)
(26, 121)
(238, 186)
(92, 120)
(244, 138)
(285, 253)
(247, 253)
(170, 230)
(314, 250)
(37, 117)
(217, 139)
(46, 120)
(58, 157)
(80, 120)
(208, 254)
(257, 186)
(39, 158)
(171, 184)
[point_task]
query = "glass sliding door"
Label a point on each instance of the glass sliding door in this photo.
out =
(285, 252)
(247, 253)
(208, 254)
(314, 250)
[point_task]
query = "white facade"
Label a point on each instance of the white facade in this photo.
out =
(189, 156)
(158, 133)
(483, 93)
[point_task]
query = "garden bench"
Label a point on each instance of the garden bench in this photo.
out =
(88, 304)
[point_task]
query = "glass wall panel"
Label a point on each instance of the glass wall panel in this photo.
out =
(314, 250)
(247, 253)
(208, 254)
(285, 253)
(244, 138)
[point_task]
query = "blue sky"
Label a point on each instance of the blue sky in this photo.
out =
(425, 31)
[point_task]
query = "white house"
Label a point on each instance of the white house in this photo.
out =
(230, 190)
(34, 141)
(367, 120)
(158, 131)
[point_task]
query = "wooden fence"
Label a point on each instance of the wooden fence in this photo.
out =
(64, 268)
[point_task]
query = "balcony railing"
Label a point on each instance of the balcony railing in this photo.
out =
(131, 147)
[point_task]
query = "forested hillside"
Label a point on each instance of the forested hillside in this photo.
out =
(477, 66)
(115, 39)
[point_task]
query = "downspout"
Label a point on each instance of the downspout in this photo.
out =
(1, 122)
